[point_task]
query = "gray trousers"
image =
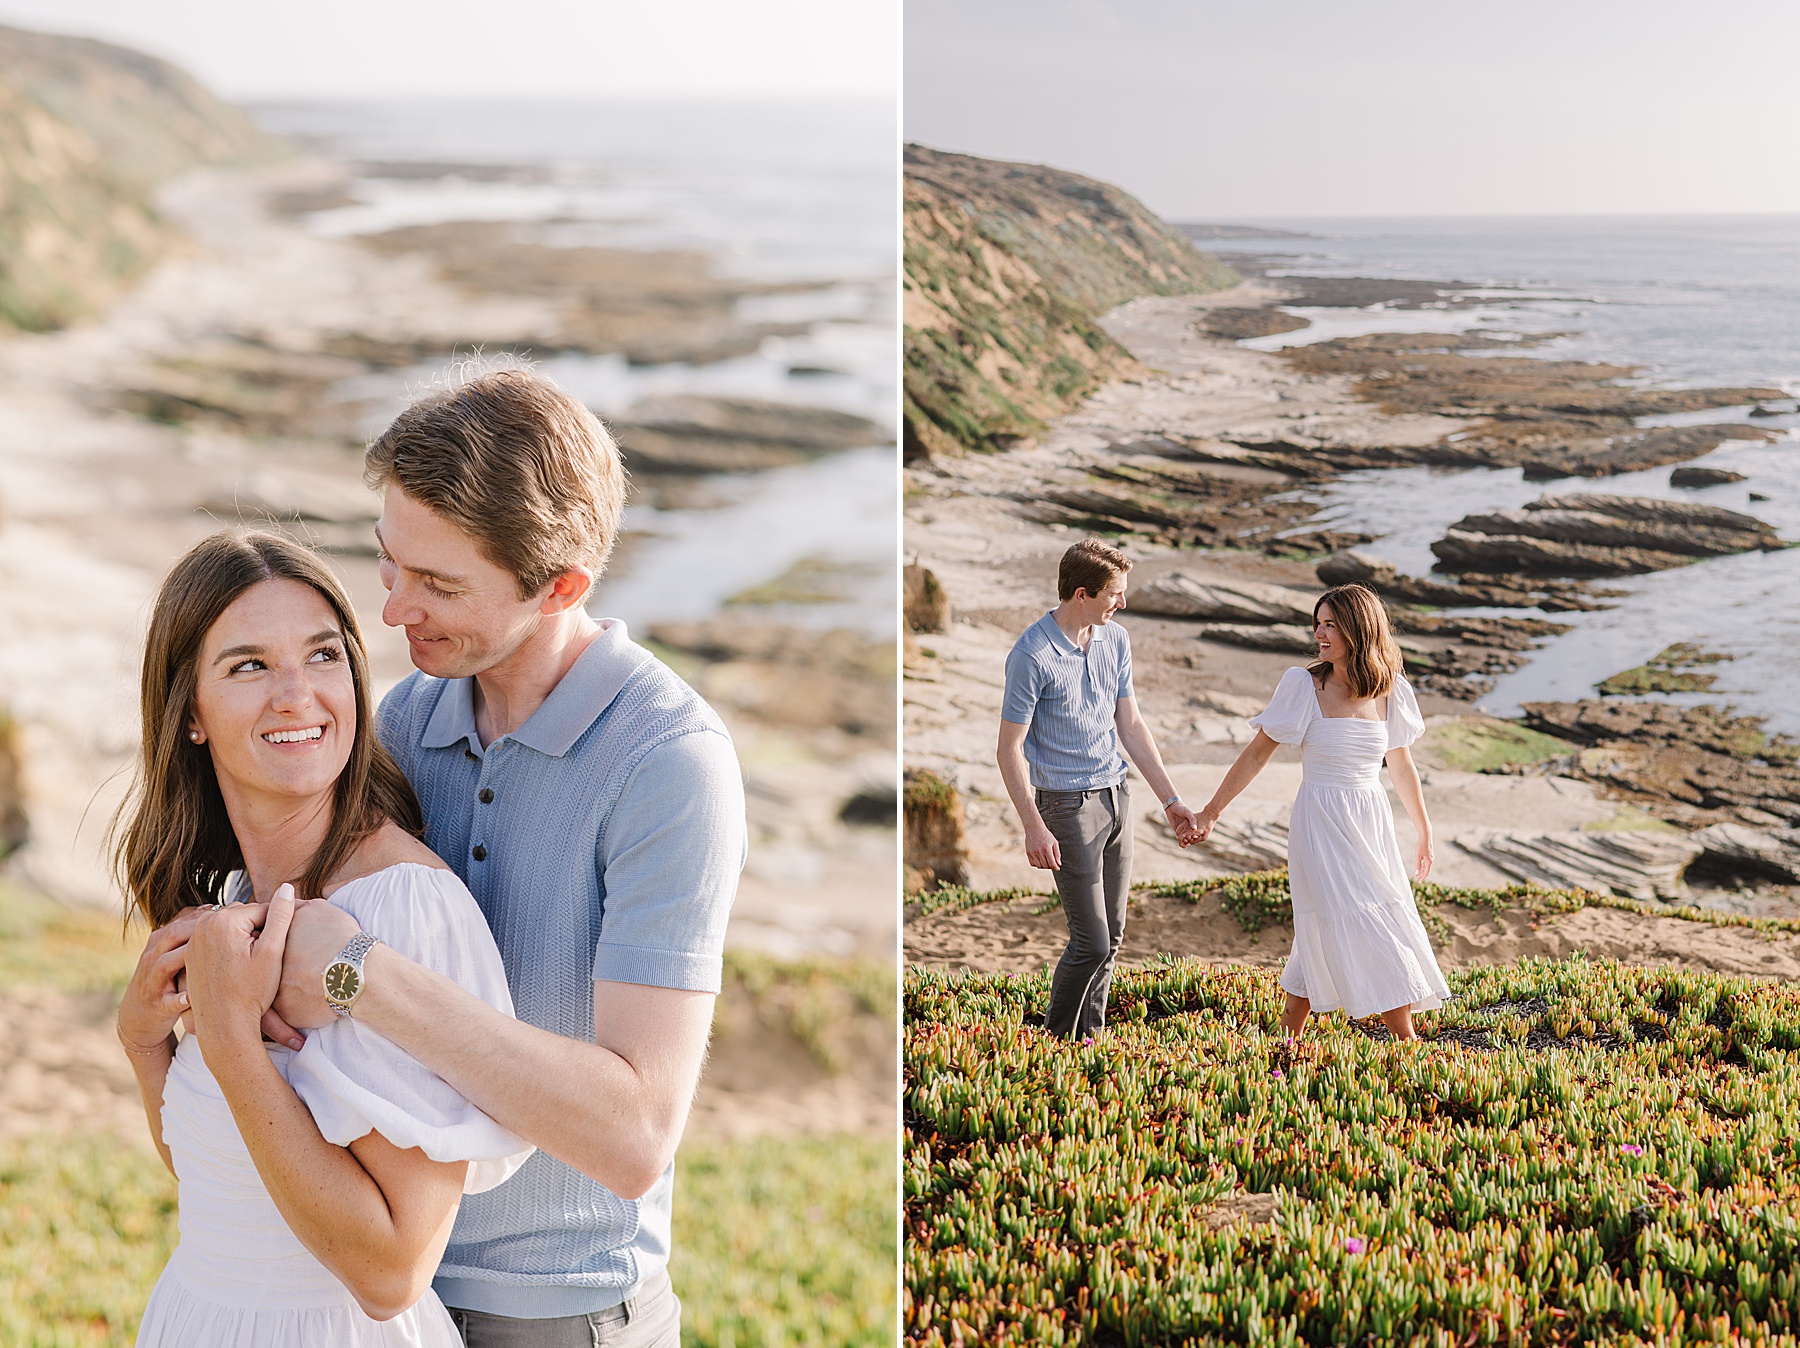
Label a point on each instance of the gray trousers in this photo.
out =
(1093, 830)
(649, 1319)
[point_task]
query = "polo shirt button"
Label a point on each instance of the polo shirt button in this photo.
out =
(471, 755)
(480, 852)
(486, 797)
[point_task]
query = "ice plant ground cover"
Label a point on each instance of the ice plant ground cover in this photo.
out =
(1582, 1152)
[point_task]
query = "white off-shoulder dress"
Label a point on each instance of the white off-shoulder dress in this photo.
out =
(1358, 940)
(239, 1275)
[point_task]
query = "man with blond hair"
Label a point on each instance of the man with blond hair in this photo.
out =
(1069, 708)
(593, 804)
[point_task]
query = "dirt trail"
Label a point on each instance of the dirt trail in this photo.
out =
(62, 1072)
(1012, 937)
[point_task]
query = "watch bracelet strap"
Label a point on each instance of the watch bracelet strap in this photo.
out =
(1171, 800)
(358, 949)
(352, 954)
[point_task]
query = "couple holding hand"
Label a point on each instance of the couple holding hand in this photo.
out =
(1070, 708)
(481, 928)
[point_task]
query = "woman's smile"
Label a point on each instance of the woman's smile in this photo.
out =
(274, 688)
(299, 736)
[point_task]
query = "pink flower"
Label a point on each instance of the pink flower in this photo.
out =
(1631, 1149)
(1275, 1072)
(1088, 1040)
(1355, 1245)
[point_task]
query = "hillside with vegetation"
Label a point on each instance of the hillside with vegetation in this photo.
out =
(87, 133)
(1007, 268)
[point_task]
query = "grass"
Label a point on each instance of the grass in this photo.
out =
(86, 1224)
(786, 1241)
(1588, 1153)
(818, 1000)
(1630, 819)
(1260, 899)
(957, 898)
(778, 1241)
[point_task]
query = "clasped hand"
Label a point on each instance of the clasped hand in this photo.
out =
(1189, 827)
(1045, 853)
(222, 965)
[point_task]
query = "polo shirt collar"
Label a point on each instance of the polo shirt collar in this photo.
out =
(588, 689)
(1059, 638)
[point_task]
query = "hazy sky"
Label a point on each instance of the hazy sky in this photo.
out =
(250, 49)
(1208, 110)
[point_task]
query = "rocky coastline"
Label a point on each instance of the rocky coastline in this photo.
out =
(1192, 464)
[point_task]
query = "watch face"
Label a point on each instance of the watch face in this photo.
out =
(342, 981)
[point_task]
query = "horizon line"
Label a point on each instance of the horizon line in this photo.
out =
(1244, 221)
(547, 99)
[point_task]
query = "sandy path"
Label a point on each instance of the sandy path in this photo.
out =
(1012, 938)
(62, 1072)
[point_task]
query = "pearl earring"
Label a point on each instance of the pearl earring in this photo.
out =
(194, 735)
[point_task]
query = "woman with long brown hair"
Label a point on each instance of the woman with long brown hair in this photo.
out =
(1358, 940)
(318, 1179)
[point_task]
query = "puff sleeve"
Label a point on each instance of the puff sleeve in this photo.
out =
(356, 1082)
(1291, 710)
(1405, 723)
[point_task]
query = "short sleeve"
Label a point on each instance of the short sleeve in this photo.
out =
(1125, 689)
(1022, 686)
(356, 1082)
(1291, 710)
(1405, 723)
(669, 859)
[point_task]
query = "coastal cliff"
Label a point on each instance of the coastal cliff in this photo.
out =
(1008, 267)
(87, 133)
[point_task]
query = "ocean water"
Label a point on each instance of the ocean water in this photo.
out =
(1687, 301)
(801, 192)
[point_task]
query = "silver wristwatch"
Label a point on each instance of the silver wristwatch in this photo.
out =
(344, 975)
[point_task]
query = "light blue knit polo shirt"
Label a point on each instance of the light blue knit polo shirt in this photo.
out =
(603, 840)
(1068, 697)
